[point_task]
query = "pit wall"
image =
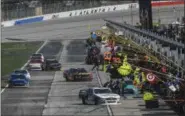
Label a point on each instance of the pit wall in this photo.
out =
(84, 12)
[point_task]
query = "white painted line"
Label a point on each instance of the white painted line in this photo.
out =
(45, 42)
(99, 81)
(4, 88)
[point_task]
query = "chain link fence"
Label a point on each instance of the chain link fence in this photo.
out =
(22, 8)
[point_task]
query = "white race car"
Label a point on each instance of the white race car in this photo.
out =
(37, 56)
(96, 95)
(35, 64)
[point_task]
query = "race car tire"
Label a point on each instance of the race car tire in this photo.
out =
(10, 86)
(106, 84)
(182, 109)
(43, 69)
(87, 60)
(83, 101)
(28, 84)
(67, 79)
(96, 101)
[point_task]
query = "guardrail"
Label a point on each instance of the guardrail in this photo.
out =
(83, 12)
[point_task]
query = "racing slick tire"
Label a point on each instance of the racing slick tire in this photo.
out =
(66, 78)
(96, 101)
(28, 84)
(106, 84)
(10, 86)
(83, 101)
(88, 60)
(182, 109)
(43, 69)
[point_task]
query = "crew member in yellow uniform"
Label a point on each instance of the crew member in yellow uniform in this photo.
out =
(125, 69)
(136, 77)
(148, 96)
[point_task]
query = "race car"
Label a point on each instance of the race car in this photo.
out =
(37, 56)
(97, 95)
(81, 93)
(35, 64)
(22, 72)
(51, 64)
(77, 74)
(19, 79)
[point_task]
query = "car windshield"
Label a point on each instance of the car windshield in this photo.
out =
(53, 61)
(21, 71)
(101, 91)
(38, 55)
(35, 61)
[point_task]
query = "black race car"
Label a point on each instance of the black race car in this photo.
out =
(51, 64)
(82, 93)
(77, 74)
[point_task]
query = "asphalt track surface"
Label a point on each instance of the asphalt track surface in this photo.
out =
(63, 96)
(78, 27)
(49, 94)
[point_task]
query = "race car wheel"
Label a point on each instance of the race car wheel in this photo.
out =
(67, 79)
(10, 85)
(43, 69)
(183, 109)
(28, 84)
(83, 101)
(88, 60)
(96, 101)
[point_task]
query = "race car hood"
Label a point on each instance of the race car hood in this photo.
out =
(35, 64)
(108, 95)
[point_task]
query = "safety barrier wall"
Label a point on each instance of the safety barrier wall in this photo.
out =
(83, 12)
(30, 20)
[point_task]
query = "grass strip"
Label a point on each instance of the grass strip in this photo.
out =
(14, 55)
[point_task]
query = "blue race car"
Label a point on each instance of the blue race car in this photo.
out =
(23, 72)
(19, 80)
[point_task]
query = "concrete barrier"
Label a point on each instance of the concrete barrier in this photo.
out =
(30, 20)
